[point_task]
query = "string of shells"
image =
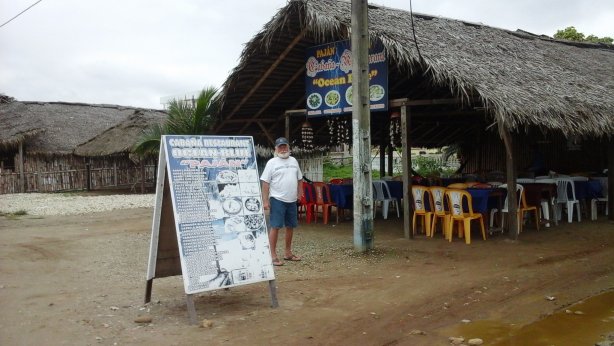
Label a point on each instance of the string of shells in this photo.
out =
(395, 132)
(339, 131)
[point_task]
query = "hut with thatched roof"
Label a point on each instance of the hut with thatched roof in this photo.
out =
(38, 139)
(463, 83)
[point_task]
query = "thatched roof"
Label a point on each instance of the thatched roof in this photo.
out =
(517, 78)
(49, 128)
(121, 137)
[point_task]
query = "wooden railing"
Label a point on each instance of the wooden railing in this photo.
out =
(75, 180)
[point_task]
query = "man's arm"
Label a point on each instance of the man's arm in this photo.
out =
(265, 195)
(300, 189)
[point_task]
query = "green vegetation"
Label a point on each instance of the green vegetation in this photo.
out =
(14, 215)
(332, 170)
(430, 167)
(570, 33)
(425, 166)
(184, 118)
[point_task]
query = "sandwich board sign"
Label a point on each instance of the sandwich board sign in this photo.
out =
(209, 223)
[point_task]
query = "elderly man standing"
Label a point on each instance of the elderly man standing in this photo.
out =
(281, 188)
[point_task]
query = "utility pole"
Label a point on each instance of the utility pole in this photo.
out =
(361, 131)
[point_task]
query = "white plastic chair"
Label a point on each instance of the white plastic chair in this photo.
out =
(525, 180)
(566, 196)
(521, 208)
(604, 199)
(382, 194)
(545, 204)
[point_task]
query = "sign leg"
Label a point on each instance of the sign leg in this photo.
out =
(273, 289)
(148, 291)
(191, 309)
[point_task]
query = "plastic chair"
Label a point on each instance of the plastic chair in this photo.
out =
(460, 216)
(336, 181)
(439, 211)
(306, 204)
(566, 196)
(461, 186)
(520, 209)
(604, 199)
(382, 194)
(323, 201)
(420, 210)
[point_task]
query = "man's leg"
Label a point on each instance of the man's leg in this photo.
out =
(273, 242)
(289, 233)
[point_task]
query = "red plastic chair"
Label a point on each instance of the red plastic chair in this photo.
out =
(307, 203)
(323, 201)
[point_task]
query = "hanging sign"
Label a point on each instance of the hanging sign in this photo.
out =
(218, 213)
(328, 79)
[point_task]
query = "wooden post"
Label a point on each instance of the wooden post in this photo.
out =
(361, 128)
(611, 179)
(22, 174)
(88, 178)
(406, 158)
(390, 160)
(142, 169)
(512, 203)
(287, 132)
(382, 158)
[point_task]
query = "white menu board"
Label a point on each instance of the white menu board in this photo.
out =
(217, 205)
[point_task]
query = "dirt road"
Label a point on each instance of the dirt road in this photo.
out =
(80, 280)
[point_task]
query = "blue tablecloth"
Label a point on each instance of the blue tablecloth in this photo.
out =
(396, 189)
(484, 199)
(587, 189)
(342, 195)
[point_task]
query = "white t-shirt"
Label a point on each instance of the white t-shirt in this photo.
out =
(283, 176)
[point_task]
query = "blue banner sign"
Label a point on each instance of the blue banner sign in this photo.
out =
(328, 79)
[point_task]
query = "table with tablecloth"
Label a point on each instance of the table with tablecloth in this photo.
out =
(485, 199)
(535, 193)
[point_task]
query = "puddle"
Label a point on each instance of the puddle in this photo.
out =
(567, 327)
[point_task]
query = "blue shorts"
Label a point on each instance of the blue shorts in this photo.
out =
(283, 214)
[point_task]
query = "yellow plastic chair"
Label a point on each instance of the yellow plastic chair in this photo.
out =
(419, 193)
(460, 216)
(461, 186)
(438, 194)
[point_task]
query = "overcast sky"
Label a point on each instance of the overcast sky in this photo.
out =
(133, 52)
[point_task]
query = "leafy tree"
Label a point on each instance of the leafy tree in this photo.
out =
(570, 33)
(184, 118)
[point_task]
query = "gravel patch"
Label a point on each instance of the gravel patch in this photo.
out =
(66, 204)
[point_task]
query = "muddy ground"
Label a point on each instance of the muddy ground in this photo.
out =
(80, 280)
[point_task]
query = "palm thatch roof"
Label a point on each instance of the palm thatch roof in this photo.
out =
(121, 137)
(51, 128)
(517, 78)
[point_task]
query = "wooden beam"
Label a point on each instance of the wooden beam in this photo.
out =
(266, 133)
(512, 203)
(398, 102)
(299, 72)
(264, 76)
(250, 121)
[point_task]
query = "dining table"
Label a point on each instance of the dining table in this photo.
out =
(486, 199)
(537, 192)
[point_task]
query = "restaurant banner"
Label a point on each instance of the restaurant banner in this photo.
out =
(328, 78)
(218, 212)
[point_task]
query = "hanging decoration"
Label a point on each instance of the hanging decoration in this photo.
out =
(395, 129)
(307, 136)
(339, 131)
